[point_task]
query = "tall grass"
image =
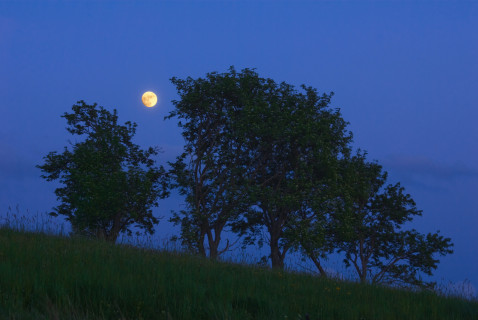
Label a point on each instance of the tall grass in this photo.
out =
(39, 222)
(45, 276)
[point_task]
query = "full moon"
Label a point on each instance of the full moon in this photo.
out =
(149, 99)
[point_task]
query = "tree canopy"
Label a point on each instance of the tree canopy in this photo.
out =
(211, 170)
(368, 225)
(109, 183)
(299, 139)
(250, 142)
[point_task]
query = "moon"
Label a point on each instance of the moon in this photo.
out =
(149, 99)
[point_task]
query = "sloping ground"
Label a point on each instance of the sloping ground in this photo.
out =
(47, 277)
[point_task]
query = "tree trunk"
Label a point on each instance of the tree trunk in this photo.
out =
(275, 233)
(215, 241)
(213, 244)
(363, 277)
(277, 258)
(115, 229)
(201, 248)
(318, 265)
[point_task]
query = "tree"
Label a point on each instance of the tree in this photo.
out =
(299, 139)
(109, 182)
(210, 172)
(317, 226)
(367, 227)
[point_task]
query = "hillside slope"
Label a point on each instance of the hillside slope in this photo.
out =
(48, 277)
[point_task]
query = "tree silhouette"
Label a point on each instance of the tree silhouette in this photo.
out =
(250, 142)
(109, 182)
(212, 169)
(368, 226)
(297, 139)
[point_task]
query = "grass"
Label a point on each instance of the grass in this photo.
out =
(55, 277)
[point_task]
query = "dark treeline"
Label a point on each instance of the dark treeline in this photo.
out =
(258, 155)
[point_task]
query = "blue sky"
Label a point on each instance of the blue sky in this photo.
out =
(404, 73)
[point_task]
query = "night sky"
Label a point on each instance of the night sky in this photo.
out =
(404, 73)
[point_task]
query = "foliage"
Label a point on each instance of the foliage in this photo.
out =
(297, 139)
(212, 170)
(109, 182)
(368, 228)
(250, 142)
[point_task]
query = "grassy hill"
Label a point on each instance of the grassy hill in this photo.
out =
(49, 277)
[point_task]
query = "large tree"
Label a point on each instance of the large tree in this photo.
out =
(109, 183)
(367, 225)
(299, 139)
(250, 143)
(211, 170)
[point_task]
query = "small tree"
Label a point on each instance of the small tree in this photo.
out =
(367, 225)
(109, 182)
